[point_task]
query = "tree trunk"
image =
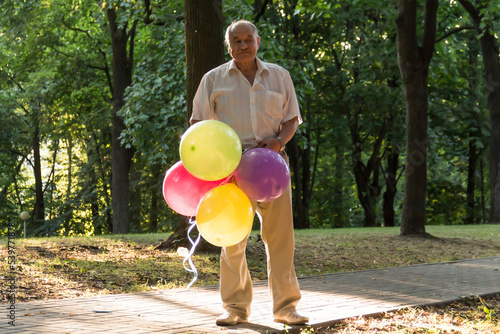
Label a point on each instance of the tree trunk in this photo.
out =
(136, 200)
(300, 168)
(374, 190)
(203, 26)
(68, 207)
(471, 182)
(107, 227)
(39, 217)
(494, 154)
(305, 159)
(300, 214)
(121, 156)
(474, 134)
(135, 204)
(365, 201)
(414, 63)
(390, 188)
(153, 213)
(94, 201)
(367, 193)
(338, 209)
(491, 62)
(483, 195)
(156, 193)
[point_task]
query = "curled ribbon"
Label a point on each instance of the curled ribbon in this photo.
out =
(187, 258)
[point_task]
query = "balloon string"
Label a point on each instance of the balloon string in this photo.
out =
(228, 179)
(187, 258)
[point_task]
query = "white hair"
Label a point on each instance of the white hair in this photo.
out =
(234, 23)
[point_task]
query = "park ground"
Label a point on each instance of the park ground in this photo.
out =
(66, 267)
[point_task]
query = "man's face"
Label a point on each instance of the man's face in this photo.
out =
(243, 44)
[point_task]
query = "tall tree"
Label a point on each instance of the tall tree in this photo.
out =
(37, 169)
(414, 60)
(482, 17)
(199, 33)
(204, 43)
(474, 123)
(155, 112)
(122, 46)
(300, 161)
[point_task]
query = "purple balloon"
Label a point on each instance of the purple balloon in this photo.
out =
(262, 174)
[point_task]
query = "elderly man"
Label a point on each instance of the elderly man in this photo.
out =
(258, 101)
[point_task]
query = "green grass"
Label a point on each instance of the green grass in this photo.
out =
(441, 231)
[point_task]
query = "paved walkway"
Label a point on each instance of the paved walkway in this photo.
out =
(325, 299)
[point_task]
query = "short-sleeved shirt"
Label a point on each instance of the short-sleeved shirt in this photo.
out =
(253, 111)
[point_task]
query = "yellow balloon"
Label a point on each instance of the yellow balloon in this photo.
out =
(225, 216)
(210, 150)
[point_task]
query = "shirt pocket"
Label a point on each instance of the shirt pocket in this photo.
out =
(268, 104)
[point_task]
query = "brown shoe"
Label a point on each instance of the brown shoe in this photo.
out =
(290, 318)
(229, 319)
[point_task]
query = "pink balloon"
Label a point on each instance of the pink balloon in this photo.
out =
(183, 191)
(262, 174)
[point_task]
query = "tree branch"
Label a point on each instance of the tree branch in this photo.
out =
(375, 156)
(454, 31)
(52, 171)
(18, 168)
(11, 79)
(103, 53)
(472, 10)
(98, 68)
(406, 37)
(429, 39)
(147, 12)
(22, 155)
(61, 53)
(76, 29)
(131, 36)
(261, 12)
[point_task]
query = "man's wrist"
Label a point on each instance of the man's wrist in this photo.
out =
(281, 143)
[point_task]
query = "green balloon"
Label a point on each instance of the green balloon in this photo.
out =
(210, 150)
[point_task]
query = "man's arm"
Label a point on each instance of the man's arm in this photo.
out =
(287, 131)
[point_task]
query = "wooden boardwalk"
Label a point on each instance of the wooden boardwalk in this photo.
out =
(325, 299)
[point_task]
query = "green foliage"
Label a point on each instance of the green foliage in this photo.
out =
(155, 108)
(458, 123)
(55, 70)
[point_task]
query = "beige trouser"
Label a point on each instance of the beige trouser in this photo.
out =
(277, 233)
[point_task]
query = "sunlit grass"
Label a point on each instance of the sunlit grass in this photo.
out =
(448, 231)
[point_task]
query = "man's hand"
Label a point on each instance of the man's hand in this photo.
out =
(272, 143)
(287, 131)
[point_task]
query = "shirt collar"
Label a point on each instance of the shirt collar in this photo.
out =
(261, 66)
